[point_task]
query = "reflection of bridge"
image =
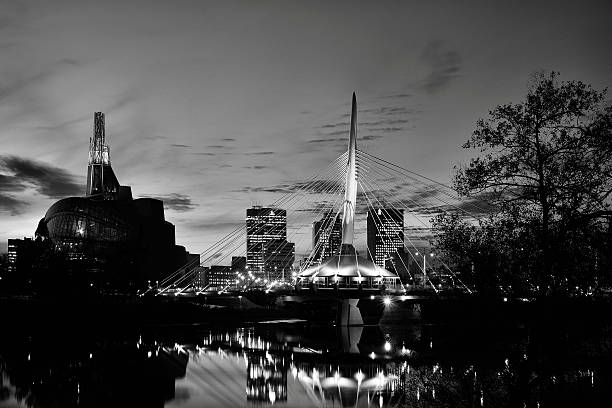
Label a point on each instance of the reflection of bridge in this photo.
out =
(390, 193)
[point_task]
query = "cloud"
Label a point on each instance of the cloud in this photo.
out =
(258, 153)
(311, 187)
(228, 139)
(370, 137)
(180, 145)
(176, 202)
(397, 96)
(12, 205)
(48, 180)
(444, 66)
(255, 167)
(204, 154)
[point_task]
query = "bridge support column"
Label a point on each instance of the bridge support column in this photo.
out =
(348, 313)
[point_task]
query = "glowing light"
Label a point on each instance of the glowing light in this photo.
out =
(372, 355)
(387, 301)
(272, 396)
(387, 346)
(371, 297)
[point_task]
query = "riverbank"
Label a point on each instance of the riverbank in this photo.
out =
(135, 311)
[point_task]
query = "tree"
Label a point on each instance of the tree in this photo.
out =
(546, 164)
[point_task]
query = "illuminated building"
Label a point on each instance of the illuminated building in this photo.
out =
(269, 255)
(385, 234)
(239, 263)
(121, 241)
(20, 255)
(326, 238)
(220, 276)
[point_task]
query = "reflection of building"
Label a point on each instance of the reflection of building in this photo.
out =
(266, 378)
(385, 233)
(269, 255)
(220, 276)
(107, 230)
(326, 238)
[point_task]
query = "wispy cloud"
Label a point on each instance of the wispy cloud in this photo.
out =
(48, 180)
(444, 66)
(176, 202)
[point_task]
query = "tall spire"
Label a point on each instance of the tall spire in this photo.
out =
(350, 191)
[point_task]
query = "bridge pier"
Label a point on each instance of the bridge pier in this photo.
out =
(348, 313)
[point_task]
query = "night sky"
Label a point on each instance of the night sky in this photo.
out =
(212, 105)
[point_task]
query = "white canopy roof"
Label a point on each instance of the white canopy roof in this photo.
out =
(347, 264)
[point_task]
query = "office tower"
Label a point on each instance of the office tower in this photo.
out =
(239, 263)
(385, 234)
(269, 255)
(326, 238)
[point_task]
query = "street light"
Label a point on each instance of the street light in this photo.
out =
(424, 265)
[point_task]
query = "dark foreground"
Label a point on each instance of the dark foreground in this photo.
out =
(462, 353)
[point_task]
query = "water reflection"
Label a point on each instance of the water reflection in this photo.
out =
(297, 365)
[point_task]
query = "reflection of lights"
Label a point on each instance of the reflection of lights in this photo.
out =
(380, 401)
(372, 355)
(294, 372)
(272, 396)
(359, 377)
(387, 346)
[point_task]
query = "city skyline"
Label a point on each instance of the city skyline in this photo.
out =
(213, 108)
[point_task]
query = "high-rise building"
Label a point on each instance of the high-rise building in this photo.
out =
(326, 238)
(220, 276)
(269, 255)
(385, 233)
(239, 263)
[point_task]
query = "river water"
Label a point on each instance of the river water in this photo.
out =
(294, 364)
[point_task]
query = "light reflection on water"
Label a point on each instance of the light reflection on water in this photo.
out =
(303, 366)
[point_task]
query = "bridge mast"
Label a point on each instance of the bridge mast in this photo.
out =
(350, 191)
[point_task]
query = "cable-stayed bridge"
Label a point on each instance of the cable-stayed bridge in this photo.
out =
(354, 185)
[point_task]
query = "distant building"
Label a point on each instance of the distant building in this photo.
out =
(385, 233)
(269, 254)
(239, 263)
(400, 263)
(20, 255)
(326, 238)
(200, 280)
(220, 276)
(117, 241)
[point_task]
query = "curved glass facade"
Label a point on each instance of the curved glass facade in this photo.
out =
(89, 230)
